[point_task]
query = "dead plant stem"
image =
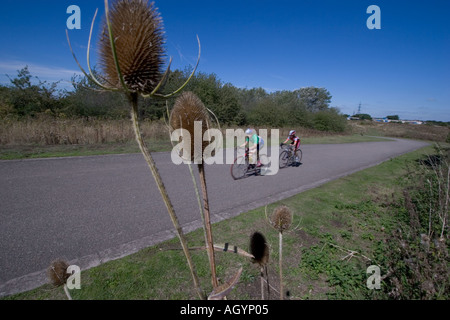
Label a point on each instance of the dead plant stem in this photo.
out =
(281, 266)
(208, 228)
(154, 170)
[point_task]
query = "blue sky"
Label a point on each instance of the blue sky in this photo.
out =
(401, 69)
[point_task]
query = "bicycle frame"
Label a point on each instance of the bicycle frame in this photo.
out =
(291, 156)
(245, 167)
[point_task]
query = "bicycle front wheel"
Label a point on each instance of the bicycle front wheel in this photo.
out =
(284, 159)
(239, 168)
(299, 155)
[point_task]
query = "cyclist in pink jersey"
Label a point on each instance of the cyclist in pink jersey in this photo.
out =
(295, 141)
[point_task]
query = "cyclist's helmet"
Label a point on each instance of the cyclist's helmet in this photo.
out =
(292, 132)
(248, 131)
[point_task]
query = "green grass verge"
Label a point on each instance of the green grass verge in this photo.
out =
(55, 151)
(352, 214)
(52, 151)
(342, 139)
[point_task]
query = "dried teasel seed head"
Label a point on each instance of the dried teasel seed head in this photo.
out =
(259, 248)
(139, 38)
(57, 273)
(281, 218)
(188, 110)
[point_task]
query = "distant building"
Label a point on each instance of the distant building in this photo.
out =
(381, 120)
(386, 120)
(412, 121)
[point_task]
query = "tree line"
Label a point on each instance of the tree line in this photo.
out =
(306, 107)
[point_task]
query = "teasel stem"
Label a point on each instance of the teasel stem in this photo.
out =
(262, 282)
(66, 290)
(207, 223)
(205, 228)
(133, 97)
(202, 212)
(281, 267)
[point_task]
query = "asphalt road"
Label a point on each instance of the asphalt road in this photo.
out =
(89, 210)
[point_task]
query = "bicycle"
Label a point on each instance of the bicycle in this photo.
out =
(288, 158)
(243, 166)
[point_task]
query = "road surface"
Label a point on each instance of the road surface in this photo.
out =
(89, 210)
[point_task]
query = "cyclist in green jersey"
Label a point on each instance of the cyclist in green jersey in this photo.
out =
(256, 143)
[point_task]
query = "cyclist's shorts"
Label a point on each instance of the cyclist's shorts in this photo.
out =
(261, 144)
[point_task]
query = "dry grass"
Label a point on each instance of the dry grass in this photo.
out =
(49, 131)
(399, 130)
(46, 131)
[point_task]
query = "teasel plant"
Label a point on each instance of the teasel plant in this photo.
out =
(58, 275)
(260, 251)
(132, 54)
(281, 220)
(191, 117)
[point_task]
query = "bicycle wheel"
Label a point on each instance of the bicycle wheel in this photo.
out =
(239, 168)
(284, 159)
(299, 155)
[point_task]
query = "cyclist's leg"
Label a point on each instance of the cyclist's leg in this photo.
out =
(251, 157)
(298, 153)
(261, 145)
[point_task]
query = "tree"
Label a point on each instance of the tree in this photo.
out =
(6, 106)
(269, 114)
(229, 111)
(315, 99)
(87, 101)
(363, 116)
(28, 99)
(221, 99)
(329, 120)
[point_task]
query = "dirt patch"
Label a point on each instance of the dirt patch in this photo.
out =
(306, 240)
(252, 290)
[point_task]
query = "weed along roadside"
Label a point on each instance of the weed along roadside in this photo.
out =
(346, 238)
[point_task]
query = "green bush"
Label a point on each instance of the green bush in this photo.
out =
(329, 121)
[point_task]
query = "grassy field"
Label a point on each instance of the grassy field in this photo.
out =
(400, 130)
(339, 230)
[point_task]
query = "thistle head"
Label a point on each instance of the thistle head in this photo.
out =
(188, 110)
(259, 249)
(138, 36)
(57, 273)
(281, 218)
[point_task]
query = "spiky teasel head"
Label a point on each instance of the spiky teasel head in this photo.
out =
(188, 110)
(57, 273)
(259, 249)
(281, 218)
(138, 39)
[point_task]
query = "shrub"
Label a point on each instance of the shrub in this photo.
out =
(329, 121)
